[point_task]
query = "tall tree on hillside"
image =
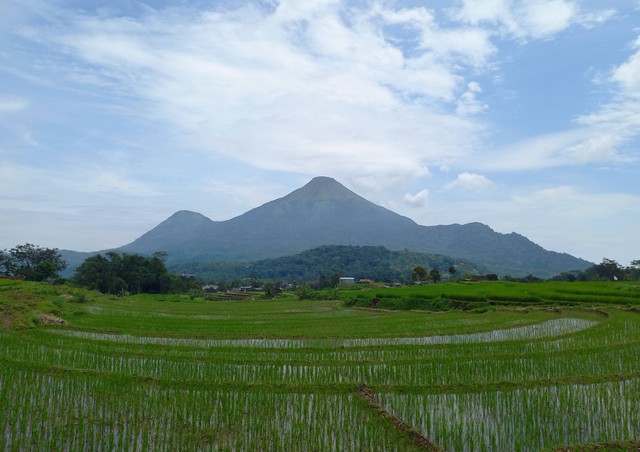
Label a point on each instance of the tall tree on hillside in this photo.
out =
(435, 275)
(34, 262)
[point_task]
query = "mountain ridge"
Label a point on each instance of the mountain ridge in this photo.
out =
(324, 212)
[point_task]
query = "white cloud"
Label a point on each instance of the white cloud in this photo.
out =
(616, 123)
(529, 19)
(545, 18)
(296, 89)
(313, 88)
(573, 147)
(594, 18)
(12, 104)
(472, 46)
(596, 148)
(471, 182)
(468, 104)
(417, 200)
(488, 11)
(627, 75)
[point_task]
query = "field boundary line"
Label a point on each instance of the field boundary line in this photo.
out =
(596, 447)
(365, 393)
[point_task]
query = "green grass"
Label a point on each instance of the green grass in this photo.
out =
(474, 295)
(22, 302)
(171, 373)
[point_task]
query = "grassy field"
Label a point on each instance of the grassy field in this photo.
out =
(516, 372)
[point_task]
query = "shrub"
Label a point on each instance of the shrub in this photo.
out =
(80, 297)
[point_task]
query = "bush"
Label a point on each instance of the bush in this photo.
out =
(80, 297)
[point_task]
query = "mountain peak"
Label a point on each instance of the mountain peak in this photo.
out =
(186, 218)
(323, 188)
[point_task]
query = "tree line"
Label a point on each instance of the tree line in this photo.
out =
(116, 273)
(607, 270)
(112, 273)
(124, 273)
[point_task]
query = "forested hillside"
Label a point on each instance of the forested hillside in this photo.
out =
(373, 262)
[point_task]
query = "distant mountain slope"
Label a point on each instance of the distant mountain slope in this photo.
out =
(505, 254)
(374, 262)
(324, 212)
(182, 235)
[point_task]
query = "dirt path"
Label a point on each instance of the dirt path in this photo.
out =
(366, 393)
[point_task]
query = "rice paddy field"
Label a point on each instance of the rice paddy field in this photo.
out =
(170, 373)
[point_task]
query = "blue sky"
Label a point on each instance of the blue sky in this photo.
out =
(523, 115)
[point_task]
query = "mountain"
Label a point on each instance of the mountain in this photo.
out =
(324, 212)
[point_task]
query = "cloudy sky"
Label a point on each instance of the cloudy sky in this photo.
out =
(520, 114)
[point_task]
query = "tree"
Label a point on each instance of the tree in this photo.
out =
(33, 262)
(95, 273)
(419, 273)
(133, 273)
(632, 272)
(609, 270)
(269, 290)
(5, 264)
(304, 292)
(565, 276)
(435, 275)
(334, 281)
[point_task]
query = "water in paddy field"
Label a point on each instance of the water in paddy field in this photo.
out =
(549, 328)
(528, 419)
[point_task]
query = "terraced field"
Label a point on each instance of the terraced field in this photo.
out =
(170, 373)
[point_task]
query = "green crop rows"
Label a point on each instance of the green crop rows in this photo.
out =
(168, 373)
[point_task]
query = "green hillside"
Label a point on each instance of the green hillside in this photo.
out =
(372, 262)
